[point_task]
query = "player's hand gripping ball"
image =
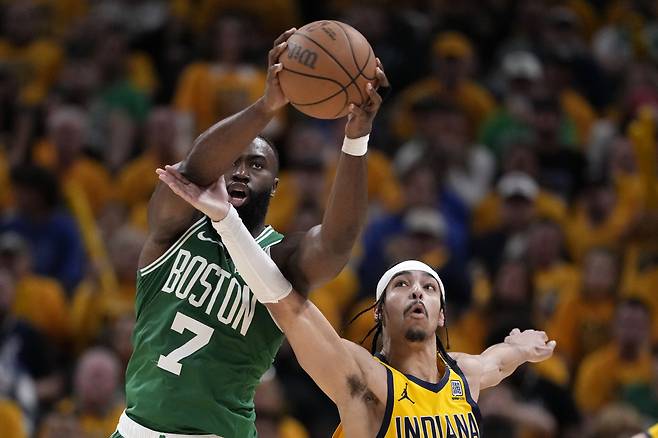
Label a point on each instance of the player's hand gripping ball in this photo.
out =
(326, 66)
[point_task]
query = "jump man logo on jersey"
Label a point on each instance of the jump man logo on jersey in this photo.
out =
(405, 395)
(457, 390)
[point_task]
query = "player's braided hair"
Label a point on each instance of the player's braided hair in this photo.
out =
(378, 327)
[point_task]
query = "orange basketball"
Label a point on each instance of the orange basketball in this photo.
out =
(326, 66)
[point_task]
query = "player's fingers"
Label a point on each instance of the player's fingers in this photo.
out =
(276, 51)
(543, 336)
(382, 80)
(356, 111)
(276, 68)
(284, 36)
(174, 171)
(551, 344)
(515, 331)
(375, 98)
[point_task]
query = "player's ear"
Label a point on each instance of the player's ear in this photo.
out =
(442, 318)
(274, 187)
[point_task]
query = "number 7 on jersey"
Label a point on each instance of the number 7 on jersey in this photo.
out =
(171, 362)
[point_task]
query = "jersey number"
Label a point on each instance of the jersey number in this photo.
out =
(171, 362)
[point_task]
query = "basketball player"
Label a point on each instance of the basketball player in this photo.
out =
(201, 339)
(412, 387)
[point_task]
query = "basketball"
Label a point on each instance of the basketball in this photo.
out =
(326, 66)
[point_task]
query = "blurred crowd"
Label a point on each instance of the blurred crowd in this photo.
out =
(517, 154)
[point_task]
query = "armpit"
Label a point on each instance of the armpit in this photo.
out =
(359, 389)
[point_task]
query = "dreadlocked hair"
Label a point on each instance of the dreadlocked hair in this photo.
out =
(377, 329)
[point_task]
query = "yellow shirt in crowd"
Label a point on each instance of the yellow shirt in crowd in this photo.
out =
(603, 374)
(476, 102)
(36, 66)
(11, 420)
(581, 325)
(41, 301)
(211, 92)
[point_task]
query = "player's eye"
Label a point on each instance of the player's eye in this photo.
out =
(430, 286)
(401, 283)
(256, 165)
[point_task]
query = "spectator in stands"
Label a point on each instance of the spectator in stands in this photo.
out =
(555, 279)
(443, 132)
(272, 420)
(28, 369)
(583, 322)
(63, 152)
(39, 300)
(94, 308)
(51, 233)
(561, 167)
(601, 218)
(518, 157)
(604, 374)
(210, 91)
(518, 192)
(96, 403)
(36, 58)
(137, 179)
(421, 190)
(454, 64)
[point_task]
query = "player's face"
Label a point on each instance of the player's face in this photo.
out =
(413, 306)
(253, 172)
(252, 181)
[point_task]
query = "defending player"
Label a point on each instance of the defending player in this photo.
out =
(402, 391)
(201, 339)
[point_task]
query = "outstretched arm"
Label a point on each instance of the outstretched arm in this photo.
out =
(311, 259)
(340, 368)
(499, 361)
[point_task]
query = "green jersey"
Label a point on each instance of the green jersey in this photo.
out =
(201, 341)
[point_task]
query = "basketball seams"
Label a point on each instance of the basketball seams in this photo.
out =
(328, 54)
(356, 64)
(343, 88)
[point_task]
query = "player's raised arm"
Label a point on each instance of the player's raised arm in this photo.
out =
(312, 258)
(499, 361)
(212, 154)
(340, 368)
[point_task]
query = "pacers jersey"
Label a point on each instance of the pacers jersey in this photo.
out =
(419, 409)
(201, 340)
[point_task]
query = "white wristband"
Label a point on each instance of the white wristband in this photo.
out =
(356, 146)
(252, 263)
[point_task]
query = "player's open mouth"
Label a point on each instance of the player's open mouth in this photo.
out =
(239, 193)
(417, 311)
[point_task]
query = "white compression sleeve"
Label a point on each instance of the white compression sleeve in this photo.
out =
(259, 271)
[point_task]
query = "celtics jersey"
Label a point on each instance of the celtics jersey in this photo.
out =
(201, 340)
(415, 408)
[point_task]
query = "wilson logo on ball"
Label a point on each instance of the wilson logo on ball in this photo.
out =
(302, 55)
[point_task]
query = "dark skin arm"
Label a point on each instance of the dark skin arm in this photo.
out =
(212, 154)
(310, 259)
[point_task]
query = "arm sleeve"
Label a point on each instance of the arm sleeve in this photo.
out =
(255, 267)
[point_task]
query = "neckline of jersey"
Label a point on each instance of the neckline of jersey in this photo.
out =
(434, 387)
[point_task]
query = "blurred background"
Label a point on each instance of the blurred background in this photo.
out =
(516, 154)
